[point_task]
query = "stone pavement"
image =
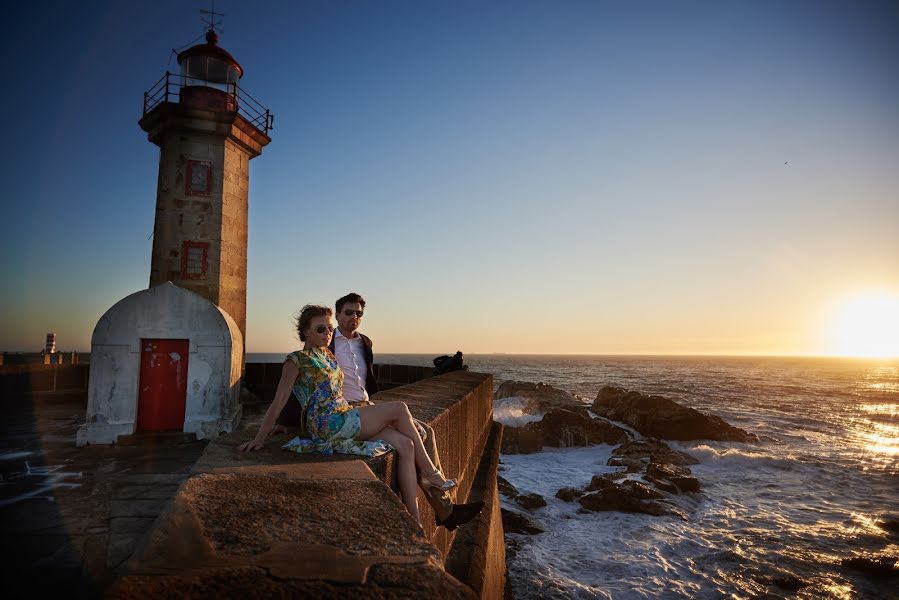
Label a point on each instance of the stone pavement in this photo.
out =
(70, 517)
(259, 536)
(276, 523)
(169, 517)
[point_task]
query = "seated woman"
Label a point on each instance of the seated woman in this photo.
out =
(315, 379)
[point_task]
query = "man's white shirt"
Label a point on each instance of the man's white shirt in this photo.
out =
(350, 354)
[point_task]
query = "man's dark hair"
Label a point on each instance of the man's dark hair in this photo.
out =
(348, 299)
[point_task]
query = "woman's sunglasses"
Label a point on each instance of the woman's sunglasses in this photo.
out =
(323, 328)
(350, 312)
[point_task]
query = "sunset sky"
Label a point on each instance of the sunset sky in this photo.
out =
(533, 177)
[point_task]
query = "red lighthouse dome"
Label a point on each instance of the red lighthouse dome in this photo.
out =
(209, 76)
(209, 62)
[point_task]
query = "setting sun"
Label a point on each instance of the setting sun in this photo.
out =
(868, 326)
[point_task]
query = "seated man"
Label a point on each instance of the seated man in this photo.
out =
(353, 351)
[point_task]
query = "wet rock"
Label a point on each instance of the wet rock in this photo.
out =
(889, 524)
(513, 545)
(665, 476)
(522, 440)
(569, 494)
(561, 428)
(618, 498)
(873, 564)
(601, 482)
(636, 489)
(790, 582)
(567, 428)
(635, 455)
(505, 488)
(660, 417)
(516, 522)
(640, 490)
(530, 501)
(538, 397)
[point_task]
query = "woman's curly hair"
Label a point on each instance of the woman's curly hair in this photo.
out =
(309, 312)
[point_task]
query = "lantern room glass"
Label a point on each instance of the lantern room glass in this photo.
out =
(209, 71)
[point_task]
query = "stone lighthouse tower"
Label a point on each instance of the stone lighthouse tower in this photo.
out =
(208, 129)
(169, 359)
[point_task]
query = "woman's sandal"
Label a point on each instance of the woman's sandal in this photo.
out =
(447, 484)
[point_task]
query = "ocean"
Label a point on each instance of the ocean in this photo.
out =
(788, 508)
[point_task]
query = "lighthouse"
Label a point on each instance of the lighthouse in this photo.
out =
(170, 358)
(208, 129)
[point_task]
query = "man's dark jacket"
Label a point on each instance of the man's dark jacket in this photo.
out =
(290, 415)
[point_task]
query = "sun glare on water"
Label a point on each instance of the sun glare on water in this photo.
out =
(868, 326)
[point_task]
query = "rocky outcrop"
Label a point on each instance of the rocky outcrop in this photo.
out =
(530, 501)
(618, 497)
(660, 417)
(538, 397)
(518, 522)
(522, 440)
(569, 494)
(505, 488)
(566, 428)
(527, 501)
(633, 488)
(785, 581)
(889, 524)
(662, 474)
(671, 478)
(565, 422)
(874, 564)
(635, 455)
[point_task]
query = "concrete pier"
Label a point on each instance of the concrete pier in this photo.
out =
(98, 520)
(317, 526)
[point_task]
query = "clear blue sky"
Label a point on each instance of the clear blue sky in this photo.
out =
(587, 177)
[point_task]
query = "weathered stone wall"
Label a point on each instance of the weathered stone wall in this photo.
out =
(312, 525)
(459, 407)
(478, 553)
(8, 359)
(232, 242)
(24, 379)
(215, 217)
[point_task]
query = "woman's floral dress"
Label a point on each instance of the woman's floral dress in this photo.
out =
(330, 421)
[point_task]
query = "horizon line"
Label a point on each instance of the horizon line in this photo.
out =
(620, 354)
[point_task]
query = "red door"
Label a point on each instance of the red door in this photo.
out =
(162, 392)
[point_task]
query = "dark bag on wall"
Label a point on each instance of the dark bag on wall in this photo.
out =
(446, 364)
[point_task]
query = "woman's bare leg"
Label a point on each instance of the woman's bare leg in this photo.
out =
(395, 414)
(405, 473)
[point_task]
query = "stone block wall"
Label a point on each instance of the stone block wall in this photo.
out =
(181, 217)
(459, 407)
(215, 217)
(21, 380)
(232, 239)
(316, 526)
(35, 358)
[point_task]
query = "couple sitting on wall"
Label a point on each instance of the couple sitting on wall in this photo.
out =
(332, 380)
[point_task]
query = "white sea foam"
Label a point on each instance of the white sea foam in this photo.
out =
(806, 496)
(512, 412)
(14, 455)
(706, 454)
